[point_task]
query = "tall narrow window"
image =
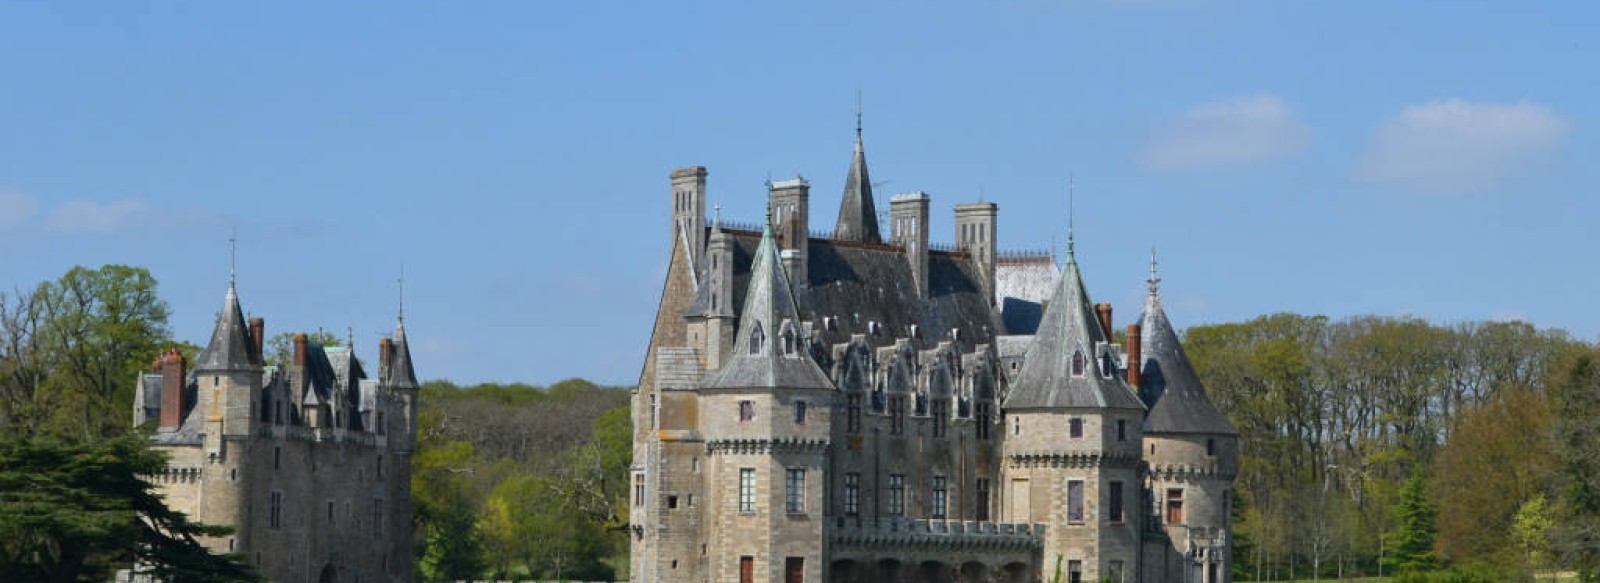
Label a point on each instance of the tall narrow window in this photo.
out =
(638, 489)
(852, 494)
(983, 499)
(794, 501)
(747, 490)
(1077, 364)
(1122, 430)
(377, 517)
(853, 413)
(800, 412)
(897, 414)
(651, 422)
(747, 410)
(1075, 502)
(941, 416)
(1075, 428)
(275, 511)
(897, 495)
(1211, 446)
(1114, 508)
(938, 499)
(983, 420)
(1074, 571)
(788, 340)
(1175, 506)
(756, 338)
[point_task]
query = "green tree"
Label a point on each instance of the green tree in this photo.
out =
(1411, 547)
(1576, 537)
(71, 512)
(280, 347)
(1498, 458)
(447, 543)
(1531, 531)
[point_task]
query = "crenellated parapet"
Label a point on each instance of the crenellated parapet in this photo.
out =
(916, 535)
(1073, 459)
(767, 446)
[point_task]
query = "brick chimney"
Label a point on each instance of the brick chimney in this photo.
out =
(1103, 311)
(172, 397)
(258, 334)
(300, 349)
(1135, 357)
(385, 352)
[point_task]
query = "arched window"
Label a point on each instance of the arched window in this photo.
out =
(756, 338)
(788, 339)
(1077, 363)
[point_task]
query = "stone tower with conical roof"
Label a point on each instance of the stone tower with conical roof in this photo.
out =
(1071, 444)
(1192, 457)
(858, 219)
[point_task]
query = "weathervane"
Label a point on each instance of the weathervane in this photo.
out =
(1071, 195)
(233, 254)
(1154, 280)
(402, 284)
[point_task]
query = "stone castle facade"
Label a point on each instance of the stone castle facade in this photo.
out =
(310, 460)
(849, 407)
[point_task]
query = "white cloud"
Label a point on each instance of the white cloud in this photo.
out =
(1247, 129)
(1455, 145)
(84, 216)
(16, 208)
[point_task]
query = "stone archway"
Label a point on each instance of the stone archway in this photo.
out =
(935, 572)
(1014, 573)
(889, 571)
(329, 574)
(848, 571)
(973, 572)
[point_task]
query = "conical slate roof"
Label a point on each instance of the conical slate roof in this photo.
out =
(400, 373)
(230, 349)
(768, 351)
(1069, 327)
(1181, 405)
(858, 220)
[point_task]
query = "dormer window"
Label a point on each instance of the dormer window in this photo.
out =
(756, 338)
(1077, 363)
(788, 339)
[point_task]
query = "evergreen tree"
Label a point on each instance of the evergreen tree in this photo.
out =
(1576, 537)
(1411, 547)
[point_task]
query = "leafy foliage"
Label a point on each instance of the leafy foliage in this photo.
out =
(1577, 396)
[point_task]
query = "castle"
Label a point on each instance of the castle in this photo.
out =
(887, 410)
(309, 461)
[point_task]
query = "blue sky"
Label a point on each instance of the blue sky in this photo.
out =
(1338, 158)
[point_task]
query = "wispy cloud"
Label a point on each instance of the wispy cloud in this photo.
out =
(16, 208)
(1235, 131)
(1457, 146)
(85, 216)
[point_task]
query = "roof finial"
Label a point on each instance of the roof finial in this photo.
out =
(233, 255)
(1072, 194)
(1154, 280)
(402, 284)
(716, 214)
(858, 115)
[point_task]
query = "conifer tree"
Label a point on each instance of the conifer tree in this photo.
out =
(1411, 548)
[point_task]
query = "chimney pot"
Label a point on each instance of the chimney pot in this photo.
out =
(258, 333)
(172, 394)
(1135, 355)
(1103, 311)
(300, 349)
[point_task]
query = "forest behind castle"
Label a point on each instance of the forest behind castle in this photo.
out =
(1370, 445)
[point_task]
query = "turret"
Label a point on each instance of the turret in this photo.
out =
(858, 220)
(909, 216)
(228, 374)
(711, 317)
(689, 210)
(402, 380)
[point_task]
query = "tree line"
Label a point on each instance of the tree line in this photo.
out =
(1394, 446)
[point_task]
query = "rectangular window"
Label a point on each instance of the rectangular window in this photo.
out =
(853, 414)
(795, 497)
(983, 421)
(941, 416)
(747, 570)
(277, 457)
(747, 490)
(897, 414)
(938, 497)
(275, 511)
(1122, 430)
(377, 517)
(1075, 428)
(983, 500)
(1175, 506)
(1211, 446)
(380, 466)
(652, 421)
(852, 494)
(1075, 571)
(1075, 502)
(800, 413)
(638, 489)
(747, 410)
(794, 570)
(1114, 508)
(897, 494)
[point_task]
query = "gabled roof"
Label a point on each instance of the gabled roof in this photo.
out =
(858, 220)
(770, 320)
(1181, 405)
(230, 349)
(1069, 327)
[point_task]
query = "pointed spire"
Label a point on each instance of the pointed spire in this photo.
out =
(230, 349)
(768, 351)
(1170, 387)
(858, 220)
(1064, 367)
(401, 375)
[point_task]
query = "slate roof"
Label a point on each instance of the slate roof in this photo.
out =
(230, 349)
(768, 351)
(858, 220)
(1021, 286)
(400, 374)
(1069, 326)
(1181, 405)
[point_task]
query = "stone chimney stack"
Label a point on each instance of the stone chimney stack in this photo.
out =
(1135, 346)
(689, 210)
(908, 214)
(975, 234)
(790, 204)
(300, 350)
(258, 335)
(173, 400)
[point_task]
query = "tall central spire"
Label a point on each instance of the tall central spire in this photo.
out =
(858, 220)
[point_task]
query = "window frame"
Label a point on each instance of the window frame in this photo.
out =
(1075, 502)
(747, 490)
(794, 495)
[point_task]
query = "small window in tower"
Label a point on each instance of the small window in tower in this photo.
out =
(1122, 430)
(1077, 363)
(800, 412)
(672, 502)
(1075, 428)
(747, 410)
(788, 339)
(756, 338)
(1211, 446)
